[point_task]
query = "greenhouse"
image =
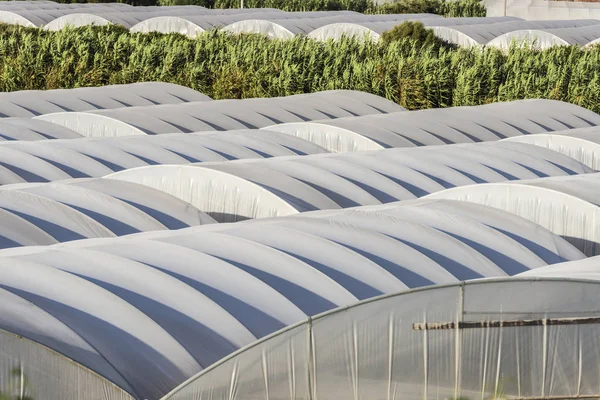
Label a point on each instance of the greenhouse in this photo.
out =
(442, 126)
(232, 191)
(129, 316)
(222, 114)
(512, 337)
(31, 103)
(566, 205)
(47, 213)
(582, 144)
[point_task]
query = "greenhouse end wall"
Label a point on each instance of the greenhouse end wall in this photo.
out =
(436, 343)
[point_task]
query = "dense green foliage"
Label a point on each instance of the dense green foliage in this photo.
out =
(413, 30)
(230, 66)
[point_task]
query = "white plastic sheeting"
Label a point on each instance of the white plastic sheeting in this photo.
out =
(42, 14)
(547, 38)
(497, 34)
(582, 144)
(222, 114)
(136, 21)
(25, 364)
(588, 268)
(31, 103)
(135, 16)
(442, 126)
(374, 29)
(288, 28)
(45, 161)
(80, 19)
(42, 214)
(29, 129)
(192, 25)
(239, 190)
(38, 18)
(567, 206)
(543, 9)
(148, 311)
(470, 345)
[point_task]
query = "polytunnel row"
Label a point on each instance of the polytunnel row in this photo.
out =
(27, 115)
(53, 160)
(170, 196)
(144, 312)
(247, 189)
(31, 103)
(150, 310)
(498, 32)
(339, 121)
(189, 20)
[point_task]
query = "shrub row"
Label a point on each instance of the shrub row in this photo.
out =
(238, 66)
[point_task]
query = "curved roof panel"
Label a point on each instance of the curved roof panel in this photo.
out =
(377, 347)
(139, 290)
(442, 126)
(40, 214)
(31, 103)
(27, 129)
(52, 160)
(582, 144)
(223, 114)
(245, 189)
(568, 206)
(588, 268)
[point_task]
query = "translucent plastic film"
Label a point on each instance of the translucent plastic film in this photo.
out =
(25, 367)
(485, 339)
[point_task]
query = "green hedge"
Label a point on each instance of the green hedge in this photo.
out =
(236, 66)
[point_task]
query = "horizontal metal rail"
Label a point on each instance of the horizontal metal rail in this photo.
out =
(427, 326)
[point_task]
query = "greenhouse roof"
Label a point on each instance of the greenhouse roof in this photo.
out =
(442, 126)
(231, 191)
(130, 299)
(30, 103)
(223, 114)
